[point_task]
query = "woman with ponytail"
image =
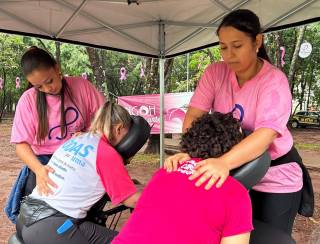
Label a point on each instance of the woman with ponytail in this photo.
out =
(84, 168)
(258, 94)
(53, 108)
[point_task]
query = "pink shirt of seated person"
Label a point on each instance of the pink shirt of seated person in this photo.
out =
(173, 210)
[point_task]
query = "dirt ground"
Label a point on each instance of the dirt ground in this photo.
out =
(306, 230)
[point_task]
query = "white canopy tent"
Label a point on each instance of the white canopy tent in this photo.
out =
(157, 28)
(154, 28)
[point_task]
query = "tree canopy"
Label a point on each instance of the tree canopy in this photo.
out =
(181, 73)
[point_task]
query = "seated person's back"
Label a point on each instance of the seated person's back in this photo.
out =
(86, 167)
(172, 210)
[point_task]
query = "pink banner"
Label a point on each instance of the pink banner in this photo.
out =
(148, 106)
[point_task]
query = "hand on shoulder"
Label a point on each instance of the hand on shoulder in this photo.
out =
(171, 163)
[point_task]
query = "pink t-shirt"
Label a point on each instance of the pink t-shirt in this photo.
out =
(262, 102)
(173, 210)
(85, 98)
(86, 167)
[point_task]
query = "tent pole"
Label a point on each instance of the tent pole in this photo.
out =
(162, 91)
(161, 66)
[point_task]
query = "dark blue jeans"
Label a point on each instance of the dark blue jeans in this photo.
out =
(31, 180)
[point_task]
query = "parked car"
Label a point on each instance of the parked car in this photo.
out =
(304, 119)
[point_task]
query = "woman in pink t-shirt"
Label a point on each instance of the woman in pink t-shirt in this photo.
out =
(53, 108)
(258, 94)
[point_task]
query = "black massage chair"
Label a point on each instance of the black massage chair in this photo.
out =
(249, 175)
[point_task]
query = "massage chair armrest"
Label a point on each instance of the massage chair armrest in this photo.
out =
(251, 173)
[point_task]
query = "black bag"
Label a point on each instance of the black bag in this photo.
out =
(306, 207)
(33, 210)
(307, 197)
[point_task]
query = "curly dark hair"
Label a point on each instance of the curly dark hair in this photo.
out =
(211, 135)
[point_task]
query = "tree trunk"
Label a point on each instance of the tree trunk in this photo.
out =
(152, 67)
(295, 54)
(97, 68)
(3, 103)
(309, 81)
(308, 97)
(278, 41)
(9, 103)
(211, 57)
(303, 86)
(58, 52)
(42, 44)
(153, 145)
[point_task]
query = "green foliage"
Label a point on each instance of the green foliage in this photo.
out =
(11, 48)
(75, 61)
(198, 61)
(307, 72)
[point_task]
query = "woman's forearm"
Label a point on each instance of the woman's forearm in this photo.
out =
(26, 154)
(249, 148)
(132, 200)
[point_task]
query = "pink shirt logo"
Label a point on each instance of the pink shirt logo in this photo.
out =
(238, 112)
(72, 115)
(187, 167)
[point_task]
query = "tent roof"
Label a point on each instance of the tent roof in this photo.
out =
(115, 24)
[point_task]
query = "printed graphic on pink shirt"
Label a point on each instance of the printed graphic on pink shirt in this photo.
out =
(238, 112)
(72, 117)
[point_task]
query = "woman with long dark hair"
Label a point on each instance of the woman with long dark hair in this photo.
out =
(258, 94)
(49, 113)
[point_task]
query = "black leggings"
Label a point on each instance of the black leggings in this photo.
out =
(45, 231)
(85, 232)
(276, 209)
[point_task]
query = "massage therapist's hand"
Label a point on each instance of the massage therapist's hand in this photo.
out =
(171, 163)
(211, 170)
(43, 180)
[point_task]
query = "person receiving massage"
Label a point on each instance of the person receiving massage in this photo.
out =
(258, 94)
(84, 169)
(173, 210)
